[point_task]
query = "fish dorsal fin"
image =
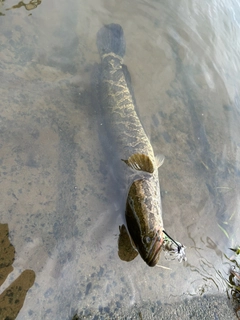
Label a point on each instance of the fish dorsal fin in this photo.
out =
(141, 162)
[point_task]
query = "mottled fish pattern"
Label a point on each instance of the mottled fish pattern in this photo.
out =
(144, 231)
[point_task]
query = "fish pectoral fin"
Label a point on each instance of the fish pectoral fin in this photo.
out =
(159, 160)
(140, 162)
(126, 251)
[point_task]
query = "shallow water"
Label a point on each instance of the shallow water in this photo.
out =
(55, 185)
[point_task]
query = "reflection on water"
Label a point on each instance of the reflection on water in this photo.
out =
(58, 196)
(12, 298)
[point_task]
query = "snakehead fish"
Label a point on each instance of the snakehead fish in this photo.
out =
(144, 232)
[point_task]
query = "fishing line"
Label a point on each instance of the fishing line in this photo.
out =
(178, 246)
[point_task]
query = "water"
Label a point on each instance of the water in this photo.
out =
(63, 219)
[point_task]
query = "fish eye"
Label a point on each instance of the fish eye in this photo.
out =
(147, 240)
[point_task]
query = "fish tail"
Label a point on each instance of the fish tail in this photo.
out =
(110, 39)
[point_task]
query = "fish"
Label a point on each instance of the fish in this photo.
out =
(144, 232)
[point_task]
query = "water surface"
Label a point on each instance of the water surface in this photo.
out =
(55, 184)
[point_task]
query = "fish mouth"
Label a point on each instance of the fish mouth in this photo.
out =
(154, 253)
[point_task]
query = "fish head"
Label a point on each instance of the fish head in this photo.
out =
(144, 221)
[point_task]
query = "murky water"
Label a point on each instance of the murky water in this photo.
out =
(55, 184)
